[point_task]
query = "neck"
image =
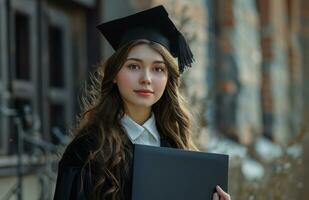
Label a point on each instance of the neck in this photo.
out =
(139, 115)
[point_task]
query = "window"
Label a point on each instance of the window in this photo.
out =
(36, 66)
(18, 66)
(22, 46)
(56, 64)
(58, 87)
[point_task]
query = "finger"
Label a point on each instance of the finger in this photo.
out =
(222, 193)
(215, 196)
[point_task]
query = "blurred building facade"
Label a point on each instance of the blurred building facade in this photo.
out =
(248, 81)
(46, 47)
(259, 71)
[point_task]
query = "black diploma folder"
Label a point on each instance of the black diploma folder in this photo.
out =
(161, 173)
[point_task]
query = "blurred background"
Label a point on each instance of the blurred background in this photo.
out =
(247, 89)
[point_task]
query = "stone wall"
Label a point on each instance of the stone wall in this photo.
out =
(247, 52)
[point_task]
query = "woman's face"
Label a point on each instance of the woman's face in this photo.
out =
(142, 79)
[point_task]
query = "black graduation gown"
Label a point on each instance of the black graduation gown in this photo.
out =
(75, 182)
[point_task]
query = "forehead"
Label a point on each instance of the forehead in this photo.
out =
(144, 52)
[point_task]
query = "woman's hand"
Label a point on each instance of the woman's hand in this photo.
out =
(220, 194)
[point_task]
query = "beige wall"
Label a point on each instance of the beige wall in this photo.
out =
(31, 187)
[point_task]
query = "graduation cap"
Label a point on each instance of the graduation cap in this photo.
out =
(154, 25)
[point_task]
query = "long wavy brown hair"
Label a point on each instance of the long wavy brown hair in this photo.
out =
(102, 110)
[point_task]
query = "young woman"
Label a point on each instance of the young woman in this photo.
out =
(133, 99)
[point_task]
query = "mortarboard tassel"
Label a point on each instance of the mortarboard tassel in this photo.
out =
(184, 53)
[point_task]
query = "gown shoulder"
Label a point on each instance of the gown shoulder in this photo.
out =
(77, 152)
(74, 179)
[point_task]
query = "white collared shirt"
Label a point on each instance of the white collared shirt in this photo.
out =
(146, 134)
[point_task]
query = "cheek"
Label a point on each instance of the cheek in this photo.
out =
(125, 80)
(161, 83)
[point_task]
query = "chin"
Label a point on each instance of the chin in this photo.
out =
(144, 104)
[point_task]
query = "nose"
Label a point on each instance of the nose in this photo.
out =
(145, 77)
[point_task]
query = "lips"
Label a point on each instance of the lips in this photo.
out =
(143, 92)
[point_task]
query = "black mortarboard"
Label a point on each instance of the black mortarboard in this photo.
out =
(154, 25)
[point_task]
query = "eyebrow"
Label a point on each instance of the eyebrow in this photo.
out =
(140, 60)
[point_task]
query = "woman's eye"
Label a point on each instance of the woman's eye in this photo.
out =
(133, 66)
(159, 69)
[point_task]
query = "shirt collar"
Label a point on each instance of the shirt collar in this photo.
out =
(134, 130)
(150, 126)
